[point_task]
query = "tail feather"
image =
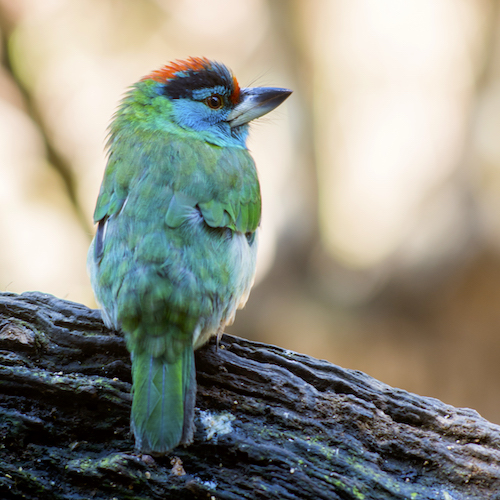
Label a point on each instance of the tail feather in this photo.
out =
(164, 396)
(189, 389)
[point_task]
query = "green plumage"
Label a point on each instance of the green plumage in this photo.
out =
(175, 250)
(163, 389)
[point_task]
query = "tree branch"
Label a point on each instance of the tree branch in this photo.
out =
(270, 423)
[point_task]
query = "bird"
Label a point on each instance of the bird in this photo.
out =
(177, 216)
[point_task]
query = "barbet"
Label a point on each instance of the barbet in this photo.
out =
(174, 254)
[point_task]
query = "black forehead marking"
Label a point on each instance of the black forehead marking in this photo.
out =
(183, 84)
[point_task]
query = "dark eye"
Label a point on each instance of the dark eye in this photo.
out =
(214, 101)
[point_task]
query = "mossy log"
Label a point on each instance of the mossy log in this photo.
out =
(271, 423)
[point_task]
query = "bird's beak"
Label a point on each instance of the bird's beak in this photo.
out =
(255, 102)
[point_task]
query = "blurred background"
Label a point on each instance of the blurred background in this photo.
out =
(380, 245)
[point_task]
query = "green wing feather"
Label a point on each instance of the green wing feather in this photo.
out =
(221, 182)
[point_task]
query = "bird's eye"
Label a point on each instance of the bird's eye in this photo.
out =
(214, 101)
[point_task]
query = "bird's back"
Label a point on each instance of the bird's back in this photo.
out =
(178, 250)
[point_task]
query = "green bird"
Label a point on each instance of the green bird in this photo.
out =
(178, 211)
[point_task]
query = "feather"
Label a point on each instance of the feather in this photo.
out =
(163, 403)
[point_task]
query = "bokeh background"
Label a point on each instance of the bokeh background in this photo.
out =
(380, 175)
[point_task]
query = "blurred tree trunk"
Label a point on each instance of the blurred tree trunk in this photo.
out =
(302, 237)
(270, 423)
(54, 158)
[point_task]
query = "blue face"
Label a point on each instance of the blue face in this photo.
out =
(206, 111)
(201, 101)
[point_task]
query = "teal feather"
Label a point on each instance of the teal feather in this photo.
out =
(179, 210)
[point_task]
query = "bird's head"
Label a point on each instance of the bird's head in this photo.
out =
(203, 97)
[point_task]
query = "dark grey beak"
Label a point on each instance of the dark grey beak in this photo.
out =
(256, 102)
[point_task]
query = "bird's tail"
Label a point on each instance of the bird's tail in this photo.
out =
(163, 402)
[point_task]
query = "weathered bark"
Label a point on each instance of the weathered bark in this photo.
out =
(270, 423)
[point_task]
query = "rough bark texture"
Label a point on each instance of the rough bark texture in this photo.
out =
(270, 423)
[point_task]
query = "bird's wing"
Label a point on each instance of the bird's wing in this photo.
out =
(220, 182)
